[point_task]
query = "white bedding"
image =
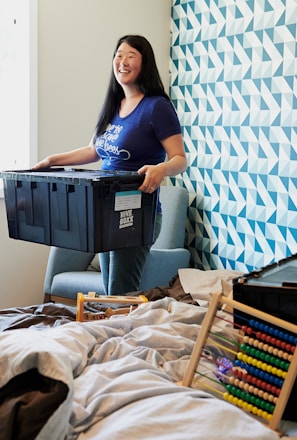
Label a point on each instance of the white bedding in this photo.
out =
(121, 374)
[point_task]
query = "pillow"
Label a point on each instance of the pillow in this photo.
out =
(94, 264)
(202, 283)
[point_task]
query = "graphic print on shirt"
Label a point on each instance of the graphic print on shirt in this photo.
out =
(107, 147)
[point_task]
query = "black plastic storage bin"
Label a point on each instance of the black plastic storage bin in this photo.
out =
(272, 289)
(86, 210)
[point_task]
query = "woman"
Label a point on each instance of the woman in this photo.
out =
(136, 129)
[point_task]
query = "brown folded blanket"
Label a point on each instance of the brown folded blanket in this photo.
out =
(173, 290)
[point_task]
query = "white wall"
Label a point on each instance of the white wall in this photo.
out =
(76, 39)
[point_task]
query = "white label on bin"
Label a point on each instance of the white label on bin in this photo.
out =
(127, 200)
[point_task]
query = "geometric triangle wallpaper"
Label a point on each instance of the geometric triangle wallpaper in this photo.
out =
(234, 84)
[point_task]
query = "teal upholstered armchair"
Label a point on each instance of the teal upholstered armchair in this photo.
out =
(69, 271)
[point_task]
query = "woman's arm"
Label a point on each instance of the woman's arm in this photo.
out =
(79, 156)
(176, 163)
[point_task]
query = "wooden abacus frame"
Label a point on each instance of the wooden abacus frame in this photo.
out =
(107, 299)
(217, 301)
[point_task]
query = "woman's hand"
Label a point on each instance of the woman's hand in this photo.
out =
(45, 163)
(154, 174)
(176, 163)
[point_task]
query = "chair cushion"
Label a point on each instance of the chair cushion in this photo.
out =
(66, 284)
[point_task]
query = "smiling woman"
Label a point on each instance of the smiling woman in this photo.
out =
(18, 84)
(137, 139)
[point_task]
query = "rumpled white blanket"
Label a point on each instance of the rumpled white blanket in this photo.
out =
(122, 376)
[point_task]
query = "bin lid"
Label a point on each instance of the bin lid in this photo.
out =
(75, 176)
(278, 274)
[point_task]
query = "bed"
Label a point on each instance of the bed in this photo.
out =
(116, 378)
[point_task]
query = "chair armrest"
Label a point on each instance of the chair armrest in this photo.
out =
(162, 265)
(64, 260)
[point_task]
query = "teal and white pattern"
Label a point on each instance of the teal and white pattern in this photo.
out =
(233, 82)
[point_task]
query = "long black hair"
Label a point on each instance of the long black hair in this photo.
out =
(149, 81)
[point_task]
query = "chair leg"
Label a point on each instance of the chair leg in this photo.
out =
(62, 300)
(47, 298)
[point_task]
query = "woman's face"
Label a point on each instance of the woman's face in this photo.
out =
(127, 65)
